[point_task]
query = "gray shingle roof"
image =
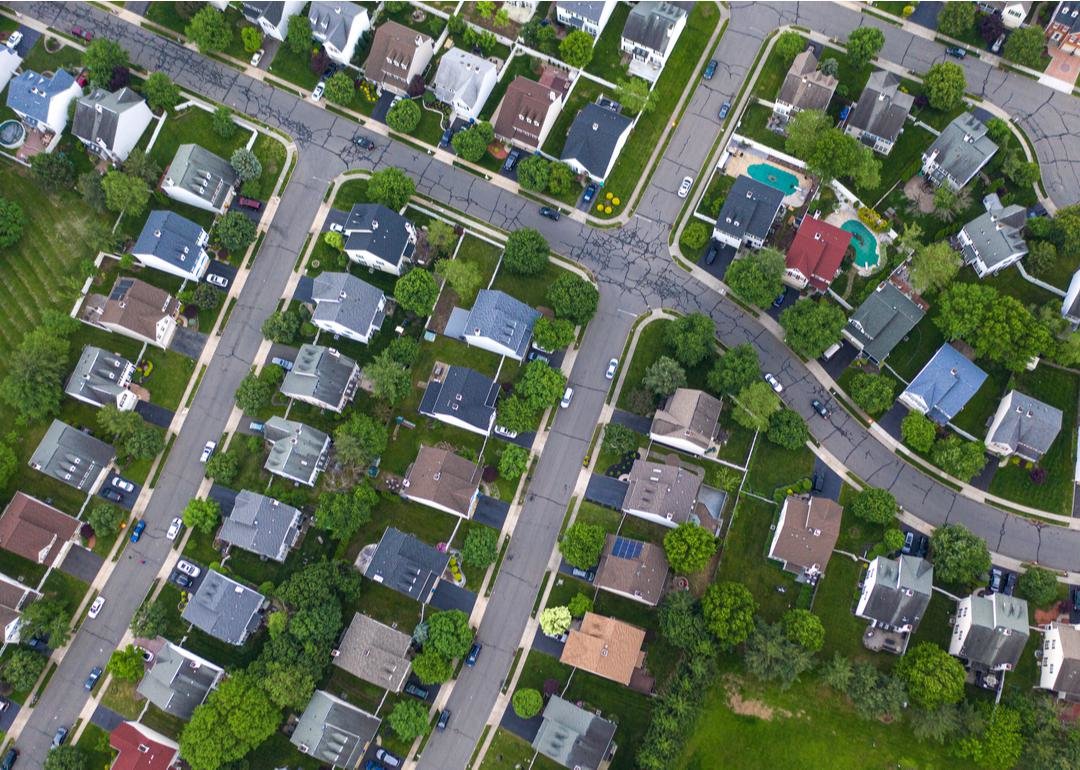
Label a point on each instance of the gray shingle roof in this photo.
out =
(406, 564)
(298, 451)
(332, 21)
(584, 8)
(572, 736)
(225, 609)
(321, 374)
(503, 319)
(901, 591)
(749, 208)
(201, 173)
(71, 456)
(667, 491)
(463, 394)
(460, 76)
(650, 24)
(805, 87)
(960, 151)
(999, 630)
(1067, 680)
(178, 681)
(375, 228)
(171, 238)
(592, 138)
(1026, 424)
(884, 318)
(946, 383)
(344, 299)
(270, 10)
(261, 525)
(99, 376)
(996, 235)
(334, 731)
(375, 652)
(98, 115)
(31, 94)
(883, 107)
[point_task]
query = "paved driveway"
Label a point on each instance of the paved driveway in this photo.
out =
(224, 496)
(82, 563)
(606, 491)
(224, 269)
(154, 414)
(448, 596)
(129, 498)
(926, 14)
(491, 512)
(634, 422)
(188, 343)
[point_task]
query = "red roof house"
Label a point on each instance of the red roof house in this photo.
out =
(141, 748)
(816, 253)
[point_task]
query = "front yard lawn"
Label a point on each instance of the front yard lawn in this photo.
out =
(772, 466)
(745, 560)
(530, 289)
(194, 126)
(910, 356)
(277, 751)
(650, 346)
(122, 698)
(163, 722)
(754, 125)
(169, 378)
(976, 415)
(295, 68)
(94, 743)
(40, 60)
(271, 153)
(509, 752)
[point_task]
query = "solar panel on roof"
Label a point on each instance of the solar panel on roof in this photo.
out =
(626, 549)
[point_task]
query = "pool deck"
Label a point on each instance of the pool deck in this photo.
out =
(845, 213)
(742, 158)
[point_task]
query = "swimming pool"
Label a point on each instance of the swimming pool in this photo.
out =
(766, 173)
(864, 243)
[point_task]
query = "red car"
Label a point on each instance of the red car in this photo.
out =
(85, 34)
(248, 203)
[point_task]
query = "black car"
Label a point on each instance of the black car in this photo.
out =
(818, 481)
(1010, 584)
(363, 143)
(9, 759)
(113, 495)
(444, 720)
(712, 253)
(956, 52)
(511, 160)
(550, 213)
(95, 675)
(181, 580)
(416, 691)
(820, 408)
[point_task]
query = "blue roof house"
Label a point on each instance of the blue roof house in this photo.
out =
(497, 322)
(944, 386)
(173, 244)
(43, 102)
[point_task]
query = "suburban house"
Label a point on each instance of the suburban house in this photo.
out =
(398, 54)
(261, 525)
(404, 563)
(322, 377)
(945, 384)
(607, 647)
(462, 397)
(140, 748)
(663, 494)
(879, 116)
(297, 451)
(338, 26)
(894, 597)
(174, 245)
(632, 568)
(1059, 660)
(224, 608)
(10, 61)
(379, 238)
(528, 109)
(689, 421)
(1012, 13)
(574, 737)
(374, 652)
(101, 378)
(333, 731)
(595, 139)
(805, 536)
(272, 16)
(649, 35)
(588, 16)
(13, 598)
(73, 457)
(347, 307)
(464, 81)
(748, 213)
(815, 254)
(134, 309)
(805, 87)
(176, 680)
(497, 322)
(35, 530)
(110, 124)
(1023, 426)
(994, 240)
(520, 11)
(43, 102)
(989, 631)
(200, 178)
(1064, 27)
(959, 153)
(441, 479)
(886, 317)
(1070, 306)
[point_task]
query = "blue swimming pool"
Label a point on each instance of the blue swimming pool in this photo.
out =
(864, 243)
(766, 173)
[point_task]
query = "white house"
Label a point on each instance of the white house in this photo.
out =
(520, 11)
(1059, 660)
(13, 598)
(43, 102)
(200, 178)
(9, 62)
(378, 237)
(464, 81)
(172, 244)
(110, 124)
(588, 16)
(497, 322)
(689, 421)
(272, 16)
(649, 35)
(894, 598)
(1012, 13)
(347, 307)
(994, 240)
(338, 26)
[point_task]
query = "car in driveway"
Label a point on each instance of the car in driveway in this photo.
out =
(13, 40)
(316, 95)
(447, 135)
(779, 301)
(773, 382)
(909, 541)
(585, 574)
(9, 759)
(724, 109)
(444, 720)
(207, 450)
(95, 608)
(363, 142)
(59, 737)
(217, 280)
(820, 408)
(188, 568)
(371, 764)
(684, 188)
(710, 69)
(257, 57)
(712, 253)
(182, 580)
(511, 160)
(112, 494)
(590, 192)
(416, 690)
(501, 431)
(996, 579)
(174, 528)
(956, 52)
(121, 484)
(95, 675)
(474, 653)
(1010, 584)
(998, 43)
(612, 367)
(248, 203)
(284, 363)
(137, 530)
(388, 759)
(550, 213)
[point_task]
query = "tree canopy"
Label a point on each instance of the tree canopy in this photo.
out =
(33, 385)
(945, 84)
(918, 431)
(959, 457)
(757, 278)
(934, 266)
(526, 252)
(688, 548)
(472, 142)
(959, 556)
(209, 30)
(576, 49)
(416, 291)
(873, 392)
(101, 58)
(874, 505)
(734, 371)
(343, 513)
(582, 544)
(812, 326)
(788, 429)
(863, 44)
(1038, 585)
(997, 326)
(573, 298)
(391, 187)
(755, 405)
(527, 702)
(1026, 46)
(804, 628)
(729, 610)
(236, 717)
(664, 376)
(409, 719)
(202, 515)
(481, 547)
(12, 222)
(449, 633)
(360, 440)
(692, 338)
(933, 676)
(956, 19)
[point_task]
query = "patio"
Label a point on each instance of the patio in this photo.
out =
(743, 157)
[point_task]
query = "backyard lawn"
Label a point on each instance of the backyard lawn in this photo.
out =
(745, 558)
(509, 752)
(484, 255)
(607, 57)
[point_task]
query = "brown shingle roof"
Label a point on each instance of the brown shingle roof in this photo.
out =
(34, 530)
(444, 478)
(635, 569)
(606, 647)
(523, 111)
(133, 305)
(688, 415)
(806, 537)
(392, 52)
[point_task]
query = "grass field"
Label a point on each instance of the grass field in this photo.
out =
(607, 58)
(650, 346)
(772, 465)
(194, 125)
(508, 752)
(294, 68)
(745, 558)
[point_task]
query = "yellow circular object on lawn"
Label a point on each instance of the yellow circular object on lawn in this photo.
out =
(615, 201)
(607, 195)
(607, 209)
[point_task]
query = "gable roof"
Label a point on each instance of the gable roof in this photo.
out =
(99, 376)
(298, 451)
(322, 374)
(1026, 424)
(331, 22)
(201, 173)
(171, 238)
(667, 491)
(807, 534)
(344, 299)
(572, 736)
(960, 150)
(503, 319)
(98, 115)
(593, 137)
(334, 731)
(71, 456)
(13, 596)
(463, 394)
(31, 94)
(9, 62)
(805, 87)
(406, 564)
(524, 109)
(946, 383)
(886, 316)
(374, 652)
(224, 608)
(444, 478)
(392, 51)
(133, 305)
(607, 647)
(261, 525)
(374, 228)
(998, 632)
(1067, 679)
(817, 251)
(177, 680)
(35, 530)
(271, 10)
(650, 24)
(1068, 14)
(461, 75)
(995, 235)
(882, 108)
(901, 592)
(749, 208)
(689, 415)
(587, 9)
(141, 748)
(632, 568)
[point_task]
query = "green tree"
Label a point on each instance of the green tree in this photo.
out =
(620, 440)
(527, 702)
(934, 266)
(472, 143)
(582, 544)
(89, 186)
(1018, 170)
(997, 326)
(533, 173)
(464, 277)
(552, 333)
(360, 440)
(340, 88)
(1026, 46)
(404, 116)
(9, 463)
(516, 414)
(692, 338)
(125, 193)
(223, 467)
(209, 30)
(1041, 257)
(390, 381)
(579, 605)
(481, 547)
(918, 431)
(688, 548)
(282, 327)
(53, 170)
(408, 719)
(892, 539)
(804, 130)
(735, 371)
(254, 393)
(144, 443)
(33, 383)
(391, 187)
(874, 505)
(49, 618)
(343, 513)
(22, 668)
(160, 92)
(540, 385)
(811, 326)
(100, 58)
(771, 656)
(416, 291)
(873, 392)
(298, 37)
(755, 405)
(1038, 585)
(959, 458)
(1000, 744)
(576, 49)
(235, 232)
(959, 556)
(449, 633)
(127, 664)
(555, 621)
(560, 179)
(287, 686)
(513, 461)
(573, 298)
(788, 429)
(70, 757)
(432, 668)
(12, 222)
(141, 165)
(526, 252)
(202, 515)
(635, 95)
(664, 376)
(863, 44)
(246, 164)
(804, 628)
(729, 610)
(830, 66)
(223, 123)
(117, 424)
(945, 85)
(251, 38)
(150, 620)
(933, 677)
(680, 621)
(956, 19)
(757, 277)
(875, 695)
(789, 45)
(442, 237)
(695, 236)
(236, 717)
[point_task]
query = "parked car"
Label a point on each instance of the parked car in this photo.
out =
(416, 690)
(684, 188)
(501, 431)
(182, 580)
(174, 528)
(447, 135)
(59, 737)
(248, 203)
(817, 481)
(188, 568)
(217, 280)
(363, 142)
(779, 301)
(371, 764)
(956, 52)
(724, 109)
(612, 366)
(820, 408)
(5, 704)
(773, 382)
(444, 720)
(284, 363)
(998, 43)
(511, 160)
(474, 653)
(13, 40)
(137, 530)
(95, 674)
(585, 574)
(1076, 598)
(147, 656)
(95, 608)
(536, 355)
(9, 759)
(122, 484)
(388, 759)
(712, 253)
(256, 427)
(909, 541)
(112, 494)
(550, 213)
(257, 57)
(996, 578)
(567, 395)
(85, 34)
(710, 69)
(1010, 584)
(207, 450)
(590, 192)
(316, 95)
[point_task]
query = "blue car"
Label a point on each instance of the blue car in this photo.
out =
(371, 764)
(724, 108)
(590, 192)
(137, 530)
(95, 674)
(711, 69)
(474, 653)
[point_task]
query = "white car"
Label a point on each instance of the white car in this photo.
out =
(501, 431)
(14, 39)
(119, 483)
(612, 365)
(569, 394)
(257, 57)
(188, 568)
(95, 608)
(684, 188)
(774, 383)
(174, 528)
(207, 451)
(217, 280)
(316, 95)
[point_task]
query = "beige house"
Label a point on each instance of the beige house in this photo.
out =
(806, 535)
(398, 54)
(441, 479)
(134, 309)
(606, 647)
(632, 568)
(689, 421)
(374, 652)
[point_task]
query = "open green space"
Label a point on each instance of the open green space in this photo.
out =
(772, 466)
(484, 255)
(509, 752)
(909, 357)
(18, 568)
(650, 346)
(94, 743)
(431, 24)
(745, 558)
(294, 67)
(40, 60)
(976, 415)
(834, 602)
(122, 698)
(194, 126)
(530, 289)
(584, 92)
(754, 125)
(271, 153)
(607, 56)
(166, 15)
(255, 570)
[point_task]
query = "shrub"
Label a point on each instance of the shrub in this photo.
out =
(527, 702)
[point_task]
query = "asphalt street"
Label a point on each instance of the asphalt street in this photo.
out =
(635, 273)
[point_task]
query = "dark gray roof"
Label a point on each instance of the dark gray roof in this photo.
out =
(332, 21)
(946, 383)
(98, 115)
(261, 525)
(322, 374)
(374, 652)
(171, 238)
(584, 8)
(178, 680)
(71, 456)
(346, 300)
(961, 150)
(99, 376)
(223, 608)
(1027, 424)
(750, 207)
(883, 319)
(883, 107)
(298, 451)
(805, 87)
(375, 228)
(650, 24)
(406, 564)
(996, 235)
(334, 731)
(31, 94)
(503, 319)
(1068, 13)
(901, 592)
(593, 136)
(463, 394)
(201, 173)
(270, 10)
(572, 736)
(999, 630)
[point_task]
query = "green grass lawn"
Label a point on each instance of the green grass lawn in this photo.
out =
(833, 602)
(64, 588)
(508, 752)
(585, 91)
(607, 58)
(271, 153)
(194, 126)
(530, 289)
(294, 68)
(356, 691)
(350, 193)
(484, 255)
(430, 128)
(650, 346)
(122, 698)
(169, 377)
(249, 567)
(277, 751)
(165, 14)
(976, 414)
(431, 25)
(94, 743)
(630, 710)
(754, 125)
(772, 466)
(40, 60)
(23, 570)
(901, 164)
(745, 558)
(909, 357)
(539, 668)
(716, 193)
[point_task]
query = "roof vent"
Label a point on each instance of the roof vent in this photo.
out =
(595, 126)
(438, 475)
(374, 224)
(817, 532)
